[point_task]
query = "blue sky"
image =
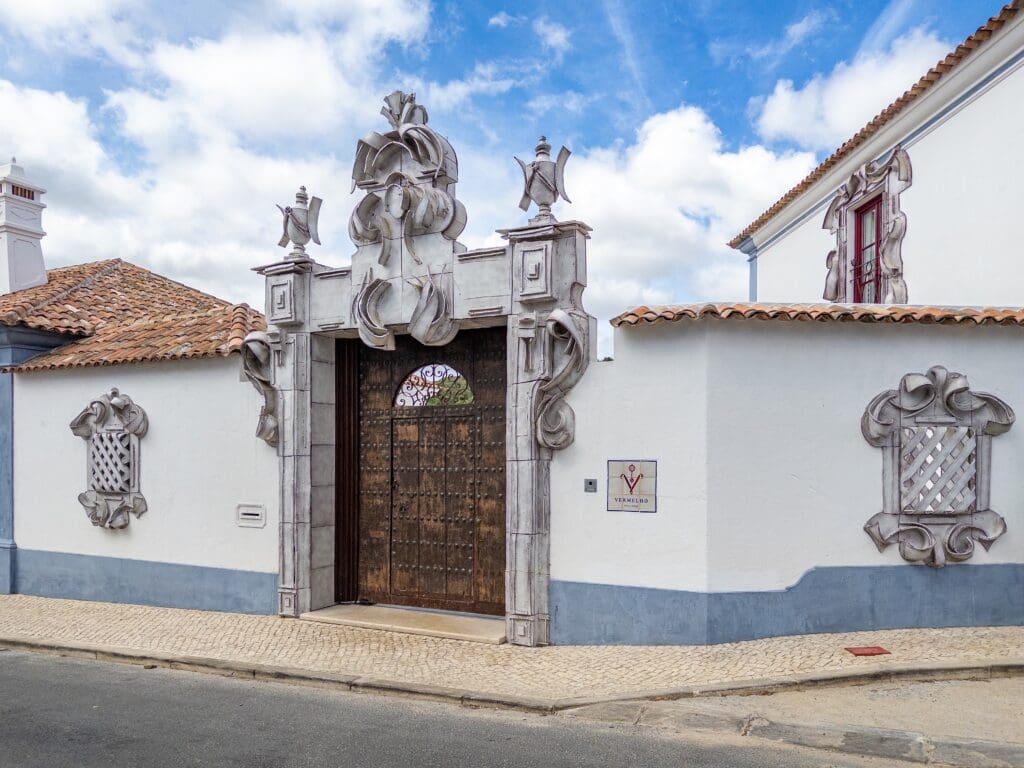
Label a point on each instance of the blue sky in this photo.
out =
(165, 132)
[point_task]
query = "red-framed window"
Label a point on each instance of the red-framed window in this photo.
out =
(867, 278)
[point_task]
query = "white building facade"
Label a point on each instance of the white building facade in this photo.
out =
(926, 190)
(128, 467)
(208, 536)
(424, 425)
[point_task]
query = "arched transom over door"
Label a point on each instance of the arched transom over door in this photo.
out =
(431, 528)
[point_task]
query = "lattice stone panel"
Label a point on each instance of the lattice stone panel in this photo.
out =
(110, 463)
(937, 469)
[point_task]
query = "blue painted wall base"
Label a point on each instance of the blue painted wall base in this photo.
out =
(114, 580)
(844, 599)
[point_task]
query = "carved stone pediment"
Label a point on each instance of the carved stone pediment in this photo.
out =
(405, 229)
(112, 426)
(935, 434)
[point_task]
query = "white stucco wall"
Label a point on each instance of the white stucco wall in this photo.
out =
(963, 244)
(763, 472)
(617, 406)
(793, 268)
(198, 461)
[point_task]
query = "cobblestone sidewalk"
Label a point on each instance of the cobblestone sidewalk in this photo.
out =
(559, 672)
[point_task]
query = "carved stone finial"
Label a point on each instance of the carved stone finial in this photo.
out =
(401, 109)
(544, 181)
(300, 224)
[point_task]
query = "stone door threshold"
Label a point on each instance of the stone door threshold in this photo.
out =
(414, 621)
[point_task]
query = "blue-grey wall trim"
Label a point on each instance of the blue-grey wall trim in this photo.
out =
(749, 248)
(752, 287)
(7, 555)
(846, 599)
(115, 580)
(16, 346)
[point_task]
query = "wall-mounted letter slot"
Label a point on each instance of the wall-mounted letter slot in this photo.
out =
(251, 515)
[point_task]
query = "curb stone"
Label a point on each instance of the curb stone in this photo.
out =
(907, 746)
(934, 670)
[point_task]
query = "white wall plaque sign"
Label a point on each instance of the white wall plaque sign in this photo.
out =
(632, 485)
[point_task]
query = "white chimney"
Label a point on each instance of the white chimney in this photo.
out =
(21, 230)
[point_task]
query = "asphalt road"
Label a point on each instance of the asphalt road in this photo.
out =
(58, 712)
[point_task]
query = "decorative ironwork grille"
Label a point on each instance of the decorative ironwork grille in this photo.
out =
(937, 469)
(110, 462)
(432, 385)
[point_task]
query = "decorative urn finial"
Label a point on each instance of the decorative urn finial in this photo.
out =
(544, 181)
(300, 224)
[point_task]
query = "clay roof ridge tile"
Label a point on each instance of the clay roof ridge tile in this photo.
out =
(828, 312)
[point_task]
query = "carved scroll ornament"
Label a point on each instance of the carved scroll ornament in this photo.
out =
(112, 426)
(258, 352)
(888, 177)
(935, 433)
(432, 323)
(554, 417)
(366, 312)
(377, 155)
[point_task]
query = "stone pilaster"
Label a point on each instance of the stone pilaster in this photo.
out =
(548, 349)
(323, 419)
(287, 290)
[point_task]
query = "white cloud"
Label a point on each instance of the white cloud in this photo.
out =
(622, 30)
(663, 207)
(220, 129)
(770, 54)
(237, 85)
(503, 19)
(79, 27)
(567, 101)
(794, 34)
(553, 36)
(829, 108)
(887, 27)
(488, 79)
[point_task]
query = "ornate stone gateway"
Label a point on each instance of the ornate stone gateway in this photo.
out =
(425, 322)
(431, 475)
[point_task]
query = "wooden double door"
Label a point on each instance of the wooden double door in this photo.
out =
(421, 473)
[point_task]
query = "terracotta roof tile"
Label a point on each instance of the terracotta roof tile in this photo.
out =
(215, 332)
(930, 78)
(857, 313)
(122, 313)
